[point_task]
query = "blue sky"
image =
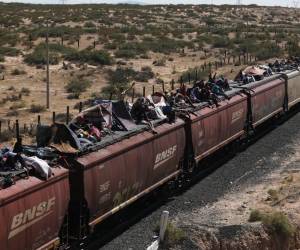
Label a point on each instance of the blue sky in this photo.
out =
(284, 3)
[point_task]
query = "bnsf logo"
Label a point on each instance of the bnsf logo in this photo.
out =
(32, 215)
(164, 156)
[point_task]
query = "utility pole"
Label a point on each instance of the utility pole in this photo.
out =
(247, 39)
(47, 77)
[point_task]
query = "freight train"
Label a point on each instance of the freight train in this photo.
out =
(89, 186)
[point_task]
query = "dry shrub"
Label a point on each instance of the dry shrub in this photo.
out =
(275, 221)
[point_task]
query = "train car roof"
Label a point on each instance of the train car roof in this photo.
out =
(118, 136)
(24, 186)
(112, 147)
(291, 73)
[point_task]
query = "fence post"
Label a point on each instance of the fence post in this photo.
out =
(153, 90)
(17, 130)
(133, 93)
(163, 224)
(144, 91)
(39, 120)
(80, 107)
(53, 117)
(163, 87)
(68, 115)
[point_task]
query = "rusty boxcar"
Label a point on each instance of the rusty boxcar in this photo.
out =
(32, 212)
(213, 128)
(268, 98)
(118, 174)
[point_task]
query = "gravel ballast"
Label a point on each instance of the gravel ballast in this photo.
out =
(248, 168)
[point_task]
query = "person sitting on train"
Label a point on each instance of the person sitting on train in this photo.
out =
(217, 90)
(212, 79)
(182, 89)
(140, 110)
(195, 94)
(222, 83)
(207, 96)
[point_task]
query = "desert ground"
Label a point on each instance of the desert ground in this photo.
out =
(96, 51)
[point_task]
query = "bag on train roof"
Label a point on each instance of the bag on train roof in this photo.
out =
(253, 71)
(39, 165)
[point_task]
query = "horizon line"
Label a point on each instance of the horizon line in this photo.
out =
(140, 3)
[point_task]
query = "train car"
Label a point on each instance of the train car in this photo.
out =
(268, 98)
(293, 87)
(214, 127)
(32, 212)
(127, 166)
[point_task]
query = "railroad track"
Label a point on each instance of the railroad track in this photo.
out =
(120, 222)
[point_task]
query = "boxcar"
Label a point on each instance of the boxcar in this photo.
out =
(268, 98)
(32, 212)
(116, 175)
(213, 128)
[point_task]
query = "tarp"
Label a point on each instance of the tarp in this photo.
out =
(253, 71)
(96, 115)
(122, 114)
(58, 136)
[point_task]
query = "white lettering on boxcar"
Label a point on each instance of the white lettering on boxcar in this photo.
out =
(30, 216)
(164, 156)
(104, 187)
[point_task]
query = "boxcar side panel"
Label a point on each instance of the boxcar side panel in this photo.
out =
(267, 100)
(294, 88)
(33, 219)
(212, 128)
(143, 161)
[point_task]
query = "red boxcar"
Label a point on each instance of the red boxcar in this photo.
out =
(213, 128)
(267, 98)
(32, 212)
(119, 174)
